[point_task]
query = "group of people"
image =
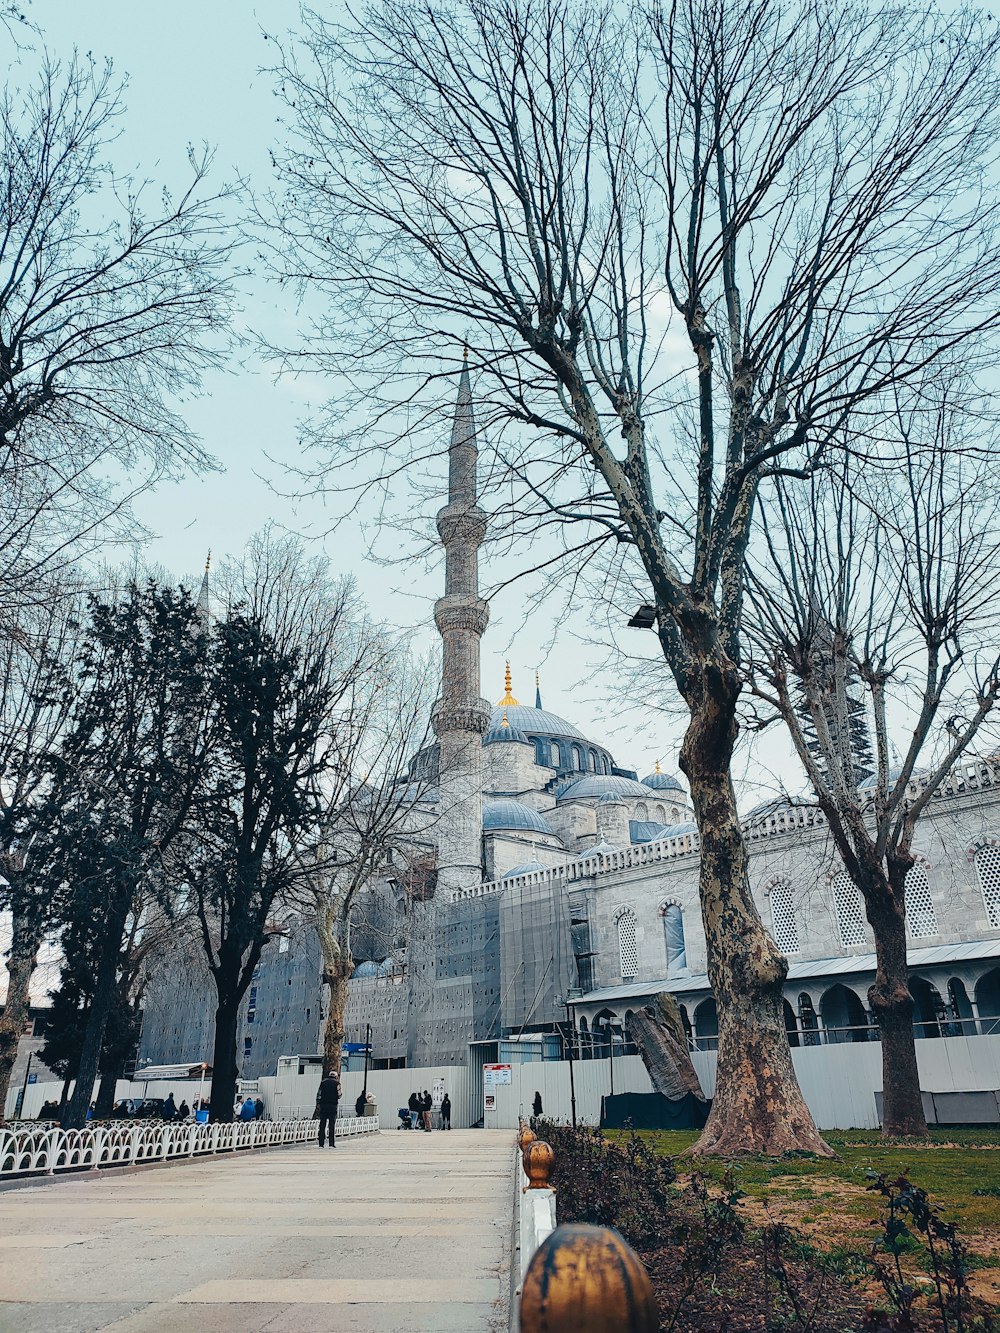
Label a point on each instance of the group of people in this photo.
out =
(417, 1112)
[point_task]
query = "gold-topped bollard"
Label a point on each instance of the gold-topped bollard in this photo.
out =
(525, 1135)
(538, 1159)
(585, 1279)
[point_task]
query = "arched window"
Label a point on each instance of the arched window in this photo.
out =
(958, 998)
(850, 910)
(706, 1026)
(541, 752)
(554, 758)
(783, 922)
(628, 945)
(988, 871)
(607, 764)
(921, 919)
(577, 758)
(844, 1017)
(659, 813)
(988, 1002)
(641, 812)
(593, 762)
(808, 1020)
(928, 1008)
(673, 938)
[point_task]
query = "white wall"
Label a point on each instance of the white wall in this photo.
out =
(839, 1082)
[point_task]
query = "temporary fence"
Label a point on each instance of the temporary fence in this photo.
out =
(44, 1149)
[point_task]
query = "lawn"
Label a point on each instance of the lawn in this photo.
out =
(829, 1201)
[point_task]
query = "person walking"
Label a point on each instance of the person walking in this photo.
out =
(414, 1105)
(446, 1112)
(169, 1109)
(247, 1110)
(536, 1109)
(327, 1102)
(425, 1107)
(258, 1109)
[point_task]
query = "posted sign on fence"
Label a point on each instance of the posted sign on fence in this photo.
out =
(494, 1075)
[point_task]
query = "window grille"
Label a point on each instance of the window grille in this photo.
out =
(850, 910)
(673, 937)
(921, 918)
(988, 870)
(783, 922)
(628, 946)
(641, 811)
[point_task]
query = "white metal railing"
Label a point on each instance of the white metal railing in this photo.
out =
(44, 1149)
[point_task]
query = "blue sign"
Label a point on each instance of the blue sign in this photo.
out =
(353, 1047)
(32, 1078)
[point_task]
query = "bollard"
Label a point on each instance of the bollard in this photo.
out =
(538, 1159)
(524, 1137)
(586, 1279)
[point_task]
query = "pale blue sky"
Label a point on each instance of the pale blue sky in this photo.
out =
(194, 77)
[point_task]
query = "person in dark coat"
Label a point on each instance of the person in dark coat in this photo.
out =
(536, 1109)
(169, 1110)
(446, 1112)
(414, 1105)
(183, 1111)
(361, 1103)
(326, 1105)
(258, 1109)
(426, 1104)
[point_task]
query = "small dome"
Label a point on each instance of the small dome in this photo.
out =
(385, 968)
(602, 785)
(662, 781)
(504, 731)
(871, 783)
(510, 814)
(368, 969)
(529, 868)
(610, 798)
(599, 849)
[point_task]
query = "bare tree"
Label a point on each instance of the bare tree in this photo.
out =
(287, 659)
(375, 807)
(35, 709)
(758, 216)
(114, 297)
(874, 615)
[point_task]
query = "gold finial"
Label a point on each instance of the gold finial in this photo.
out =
(503, 720)
(508, 698)
(657, 769)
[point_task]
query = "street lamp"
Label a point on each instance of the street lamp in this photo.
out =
(570, 1033)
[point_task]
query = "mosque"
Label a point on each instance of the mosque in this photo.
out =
(551, 887)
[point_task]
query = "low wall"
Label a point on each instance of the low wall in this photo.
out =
(391, 1089)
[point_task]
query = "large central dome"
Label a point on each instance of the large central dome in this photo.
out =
(534, 721)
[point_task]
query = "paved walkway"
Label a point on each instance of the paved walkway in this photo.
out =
(393, 1233)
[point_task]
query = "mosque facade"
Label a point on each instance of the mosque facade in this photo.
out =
(556, 888)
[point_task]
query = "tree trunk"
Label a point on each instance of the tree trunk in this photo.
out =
(105, 991)
(224, 1068)
(20, 966)
(892, 1006)
(758, 1106)
(338, 967)
(105, 1103)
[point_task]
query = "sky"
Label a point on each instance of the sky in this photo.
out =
(197, 75)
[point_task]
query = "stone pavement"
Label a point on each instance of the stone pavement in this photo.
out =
(390, 1233)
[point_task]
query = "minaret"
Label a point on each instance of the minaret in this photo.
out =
(461, 615)
(203, 606)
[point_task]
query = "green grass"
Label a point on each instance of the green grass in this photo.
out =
(959, 1169)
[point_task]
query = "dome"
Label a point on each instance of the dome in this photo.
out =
(505, 731)
(510, 814)
(662, 781)
(600, 784)
(529, 868)
(367, 970)
(871, 783)
(533, 721)
(385, 968)
(599, 849)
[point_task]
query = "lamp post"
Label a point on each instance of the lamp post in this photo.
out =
(570, 1033)
(24, 1085)
(368, 1047)
(611, 1054)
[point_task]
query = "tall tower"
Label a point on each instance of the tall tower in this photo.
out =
(460, 716)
